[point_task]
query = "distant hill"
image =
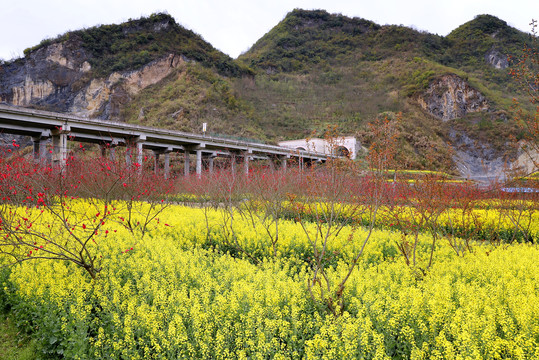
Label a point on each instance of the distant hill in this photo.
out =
(315, 69)
(312, 70)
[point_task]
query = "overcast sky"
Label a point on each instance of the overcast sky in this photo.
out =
(232, 26)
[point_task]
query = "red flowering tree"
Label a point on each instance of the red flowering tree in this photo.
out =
(64, 212)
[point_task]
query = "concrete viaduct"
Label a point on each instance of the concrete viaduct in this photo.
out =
(61, 128)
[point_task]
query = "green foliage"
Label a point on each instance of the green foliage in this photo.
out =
(305, 38)
(134, 43)
(191, 96)
(316, 68)
(470, 42)
(13, 344)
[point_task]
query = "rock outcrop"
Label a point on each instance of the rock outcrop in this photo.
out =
(57, 78)
(450, 97)
(477, 160)
(496, 59)
(104, 98)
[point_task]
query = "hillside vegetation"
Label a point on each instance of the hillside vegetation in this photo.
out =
(127, 46)
(312, 71)
(316, 69)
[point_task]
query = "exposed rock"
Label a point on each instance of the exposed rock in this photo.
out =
(160, 26)
(141, 114)
(104, 98)
(47, 77)
(55, 54)
(450, 97)
(177, 114)
(496, 59)
(527, 161)
(31, 90)
(151, 73)
(476, 160)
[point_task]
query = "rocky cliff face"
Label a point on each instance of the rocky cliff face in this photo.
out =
(450, 97)
(476, 160)
(104, 98)
(58, 78)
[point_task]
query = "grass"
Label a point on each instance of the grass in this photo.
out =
(190, 96)
(13, 344)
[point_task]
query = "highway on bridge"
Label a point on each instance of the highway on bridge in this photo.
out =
(61, 128)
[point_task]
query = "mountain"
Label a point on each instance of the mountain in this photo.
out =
(97, 72)
(455, 93)
(312, 70)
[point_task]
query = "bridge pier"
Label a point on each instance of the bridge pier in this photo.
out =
(211, 157)
(59, 144)
(40, 148)
(199, 163)
(139, 143)
(111, 148)
(233, 163)
(246, 158)
(156, 162)
(135, 146)
(186, 164)
(167, 164)
(284, 160)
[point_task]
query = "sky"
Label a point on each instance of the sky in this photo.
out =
(232, 26)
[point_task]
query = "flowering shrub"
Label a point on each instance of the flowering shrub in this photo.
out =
(60, 212)
(168, 298)
(257, 267)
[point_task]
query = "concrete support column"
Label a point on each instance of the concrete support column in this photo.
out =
(139, 153)
(40, 148)
(210, 163)
(199, 163)
(37, 152)
(59, 144)
(103, 149)
(134, 148)
(246, 158)
(128, 161)
(272, 163)
(233, 163)
(128, 154)
(40, 151)
(110, 146)
(283, 162)
(186, 165)
(300, 163)
(167, 165)
(156, 162)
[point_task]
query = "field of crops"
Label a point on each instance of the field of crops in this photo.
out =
(187, 291)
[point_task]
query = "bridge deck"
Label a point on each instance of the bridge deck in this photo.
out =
(42, 125)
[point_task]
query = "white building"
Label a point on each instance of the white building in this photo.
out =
(343, 146)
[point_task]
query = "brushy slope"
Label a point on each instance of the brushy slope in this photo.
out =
(312, 70)
(134, 43)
